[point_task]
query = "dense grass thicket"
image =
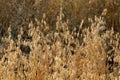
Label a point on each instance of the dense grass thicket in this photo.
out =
(60, 40)
(20, 13)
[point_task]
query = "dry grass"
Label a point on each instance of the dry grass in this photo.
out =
(19, 13)
(92, 54)
(84, 52)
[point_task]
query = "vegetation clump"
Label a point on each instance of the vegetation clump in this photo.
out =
(59, 40)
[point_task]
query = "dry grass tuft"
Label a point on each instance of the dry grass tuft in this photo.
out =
(84, 52)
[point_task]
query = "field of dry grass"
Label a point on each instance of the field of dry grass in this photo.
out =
(59, 40)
